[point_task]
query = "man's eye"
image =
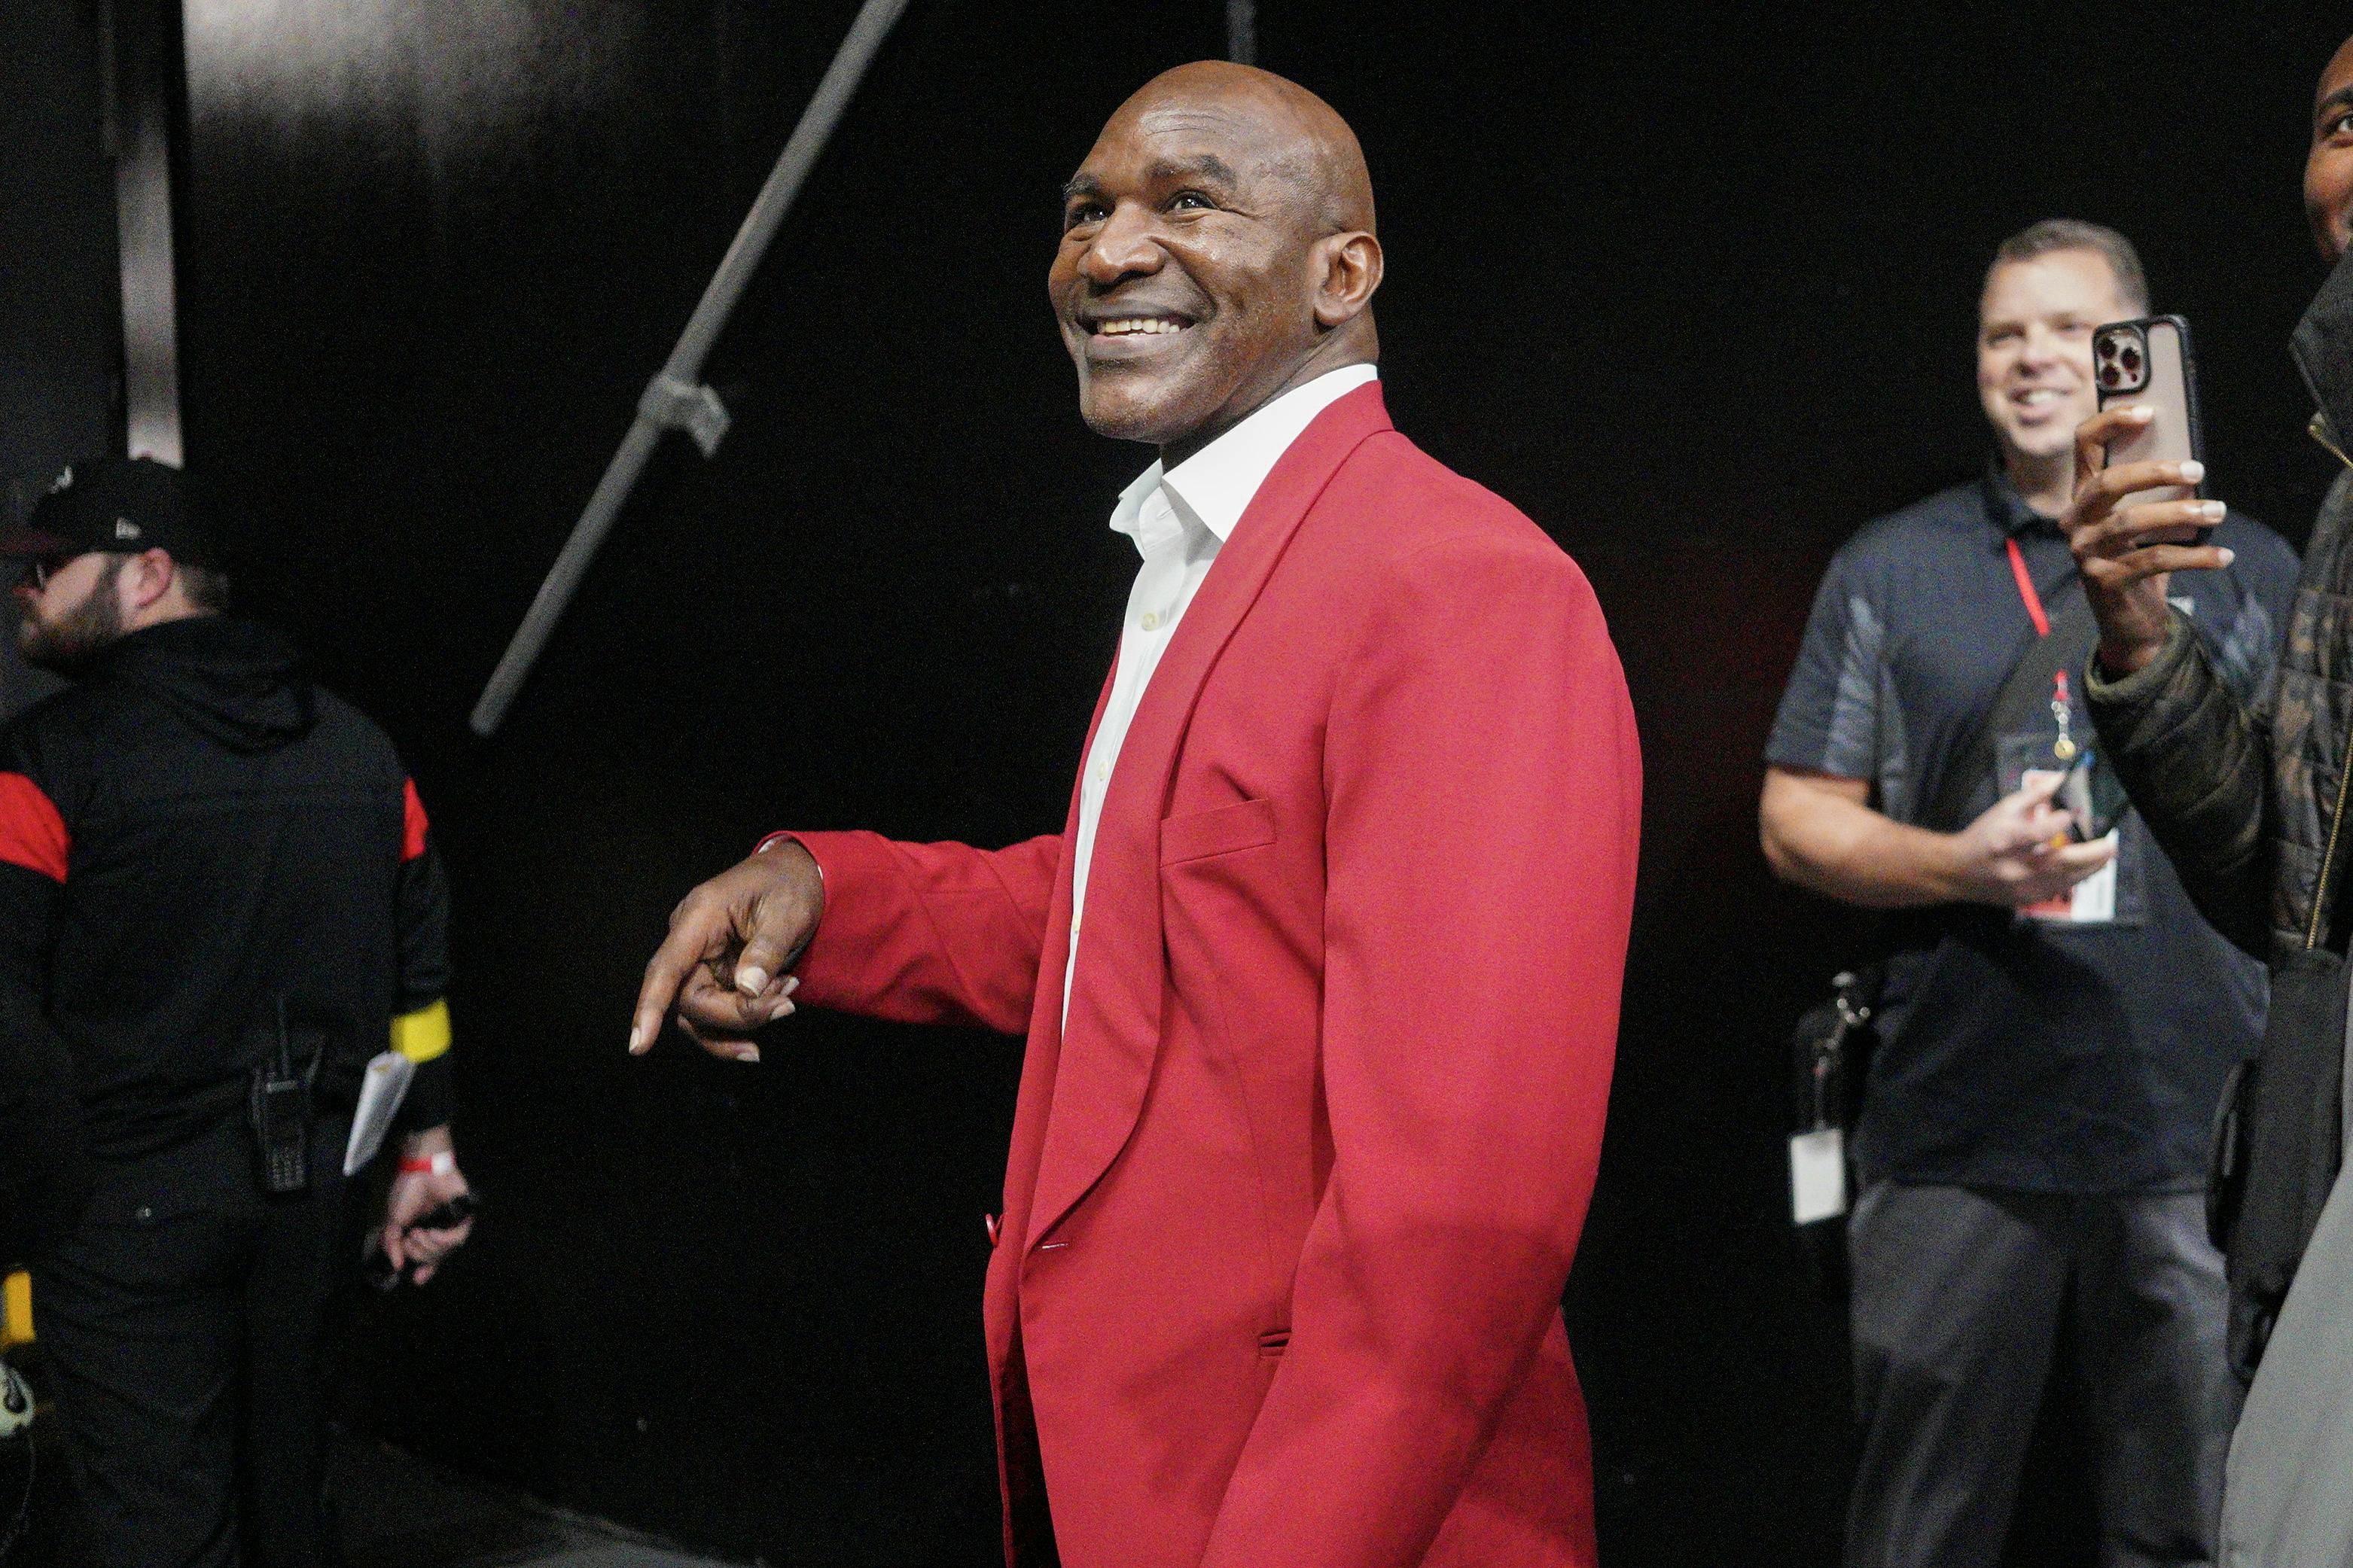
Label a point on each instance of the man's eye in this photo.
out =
(2340, 126)
(1190, 201)
(1082, 213)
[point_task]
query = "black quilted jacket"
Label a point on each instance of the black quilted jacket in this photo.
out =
(2245, 800)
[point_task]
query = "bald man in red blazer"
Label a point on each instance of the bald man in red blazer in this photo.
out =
(1315, 1079)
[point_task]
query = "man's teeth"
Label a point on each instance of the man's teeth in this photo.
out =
(1139, 324)
(2039, 397)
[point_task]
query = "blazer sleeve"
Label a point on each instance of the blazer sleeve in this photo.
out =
(929, 933)
(1484, 787)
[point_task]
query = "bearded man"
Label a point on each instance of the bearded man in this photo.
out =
(218, 900)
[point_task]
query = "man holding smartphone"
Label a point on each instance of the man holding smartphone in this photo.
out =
(2056, 1022)
(2251, 800)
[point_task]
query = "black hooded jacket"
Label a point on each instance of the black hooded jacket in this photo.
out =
(2251, 803)
(191, 836)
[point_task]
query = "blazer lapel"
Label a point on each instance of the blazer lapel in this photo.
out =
(1113, 1034)
(1045, 1038)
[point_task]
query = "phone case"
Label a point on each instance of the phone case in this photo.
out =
(2149, 360)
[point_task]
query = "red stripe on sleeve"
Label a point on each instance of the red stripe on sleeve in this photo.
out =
(413, 827)
(32, 833)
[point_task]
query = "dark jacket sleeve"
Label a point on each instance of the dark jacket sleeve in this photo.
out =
(2196, 763)
(43, 1159)
(424, 935)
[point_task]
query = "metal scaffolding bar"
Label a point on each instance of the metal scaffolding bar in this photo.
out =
(1241, 31)
(676, 397)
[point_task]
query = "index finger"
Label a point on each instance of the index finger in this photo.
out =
(2097, 495)
(666, 972)
(2092, 435)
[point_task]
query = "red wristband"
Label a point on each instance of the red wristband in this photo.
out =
(439, 1165)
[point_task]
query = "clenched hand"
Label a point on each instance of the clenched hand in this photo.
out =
(2018, 852)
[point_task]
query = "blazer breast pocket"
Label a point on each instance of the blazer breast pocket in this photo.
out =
(1220, 830)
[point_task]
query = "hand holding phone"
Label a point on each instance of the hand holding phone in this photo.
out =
(2136, 514)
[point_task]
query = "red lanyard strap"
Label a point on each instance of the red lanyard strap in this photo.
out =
(2034, 600)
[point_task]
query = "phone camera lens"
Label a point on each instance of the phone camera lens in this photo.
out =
(2109, 374)
(2132, 360)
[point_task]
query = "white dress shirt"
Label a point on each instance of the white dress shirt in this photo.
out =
(1179, 519)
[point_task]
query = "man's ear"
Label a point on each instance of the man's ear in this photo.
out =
(151, 576)
(1350, 267)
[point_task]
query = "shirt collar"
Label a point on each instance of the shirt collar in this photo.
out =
(1213, 488)
(2010, 514)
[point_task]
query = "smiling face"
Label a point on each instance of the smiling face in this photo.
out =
(1217, 251)
(2034, 347)
(2328, 166)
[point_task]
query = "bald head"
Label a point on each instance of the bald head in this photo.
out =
(1218, 250)
(1304, 140)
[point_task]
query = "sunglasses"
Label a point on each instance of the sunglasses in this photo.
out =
(41, 568)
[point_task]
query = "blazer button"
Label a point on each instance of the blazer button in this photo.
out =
(990, 1221)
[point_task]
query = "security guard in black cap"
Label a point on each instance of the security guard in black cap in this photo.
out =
(219, 901)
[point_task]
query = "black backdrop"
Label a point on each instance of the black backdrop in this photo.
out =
(1694, 293)
(60, 310)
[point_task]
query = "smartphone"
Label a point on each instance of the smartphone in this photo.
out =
(2148, 362)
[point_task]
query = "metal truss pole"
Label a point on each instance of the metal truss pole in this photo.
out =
(1241, 31)
(142, 50)
(676, 398)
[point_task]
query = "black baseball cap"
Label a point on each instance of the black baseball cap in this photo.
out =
(124, 505)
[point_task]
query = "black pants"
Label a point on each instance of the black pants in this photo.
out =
(180, 1323)
(1958, 1294)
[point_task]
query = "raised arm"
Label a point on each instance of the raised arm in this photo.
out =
(2195, 759)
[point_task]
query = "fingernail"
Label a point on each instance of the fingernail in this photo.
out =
(752, 980)
(2212, 511)
(747, 1053)
(2229, 556)
(2142, 410)
(2193, 470)
(791, 983)
(636, 1040)
(781, 1007)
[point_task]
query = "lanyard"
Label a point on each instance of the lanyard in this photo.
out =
(2061, 708)
(2034, 600)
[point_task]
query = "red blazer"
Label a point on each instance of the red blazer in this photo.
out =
(1291, 1206)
